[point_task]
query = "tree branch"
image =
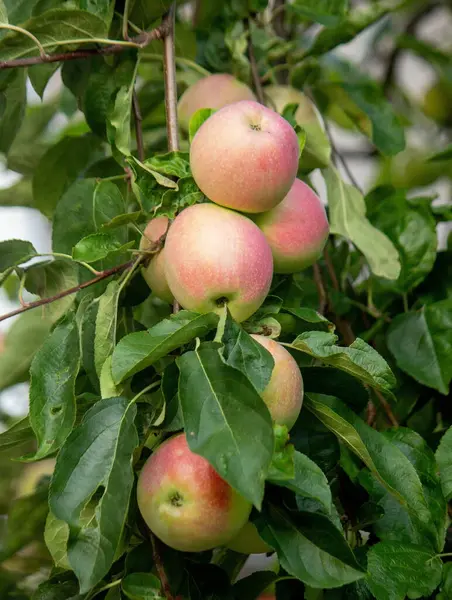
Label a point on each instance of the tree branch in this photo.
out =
(318, 280)
(139, 41)
(169, 65)
(102, 275)
(254, 70)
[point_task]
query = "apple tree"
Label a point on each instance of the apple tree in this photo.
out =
(219, 363)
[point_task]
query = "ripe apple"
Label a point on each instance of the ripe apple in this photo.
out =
(284, 392)
(213, 91)
(245, 157)
(216, 256)
(248, 541)
(185, 502)
(296, 230)
(154, 273)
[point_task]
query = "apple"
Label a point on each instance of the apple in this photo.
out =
(436, 103)
(279, 96)
(32, 475)
(184, 501)
(248, 541)
(216, 256)
(245, 157)
(154, 273)
(296, 230)
(284, 392)
(213, 91)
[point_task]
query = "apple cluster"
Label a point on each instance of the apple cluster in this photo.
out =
(259, 220)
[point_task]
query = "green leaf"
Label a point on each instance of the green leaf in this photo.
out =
(421, 343)
(176, 164)
(52, 388)
(97, 457)
(359, 359)
(282, 466)
(444, 459)
(332, 382)
(84, 208)
(62, 586)
(3, 13)
(15, 252)
(58, 169)
(142, 586)
(170, 389)
(349, 28)
(137, 351)
(27, 333)
(106, 321)
(198, 119)
(56, 537)
(309, 481)
(312, 438)
(102, 8)
(174, 200)
(446, 583)
(251, 587)
(309, 547)
(48, 279)
(312, 317)
(385, 460)
(347, 215)
(416, 449)
(412, 230)
(226, 421)
(98, 246)
(40, 75)
(51, 27)
(119, 116)
(14, 99)
(445, 154)
(17, 435)
(326, 12)
(411, 570)
(25, 523)
(243, 353)
(387, 131)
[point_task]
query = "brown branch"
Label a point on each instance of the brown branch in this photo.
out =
(254, 69)
(68, 292)
(330, 269)
(387, 408)
(138, 126)
(161, 569)
(169, 65)
(318, 280)
(141, 41)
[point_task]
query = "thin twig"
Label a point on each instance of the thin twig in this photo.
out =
(371, 413)
(330, 269)
(387, 408)
(140, 41)
(138, 125)
(254, 69)
(102, 275)
(337, 156)
(320, 289)
(169, 67)
(161, 569)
